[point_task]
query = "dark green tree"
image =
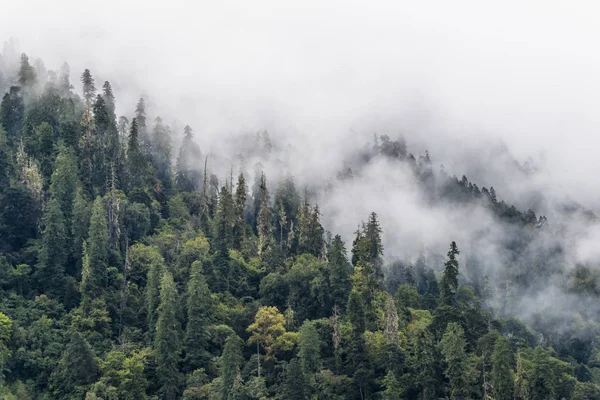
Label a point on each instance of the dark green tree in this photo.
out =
(89, 89)
(167, 340)
(97, 252)
(339, 272)
(457, 370)
(502, 370)
(231, 360)
(198, 318)
(309, 347)
(161, 153)
(449, 281)
(188, 176)
(54, 252)
(239, 227)
(77, 367)
(64, 181)
(27, 76)
(543, 384)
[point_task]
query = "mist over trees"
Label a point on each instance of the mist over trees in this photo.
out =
(133, 267)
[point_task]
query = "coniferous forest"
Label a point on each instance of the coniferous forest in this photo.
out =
(130, 270)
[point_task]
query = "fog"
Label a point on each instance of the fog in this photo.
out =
(484, 87)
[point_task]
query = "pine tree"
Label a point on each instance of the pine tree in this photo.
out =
(64, 181)
(309, 349)
(294, 386)
(453, 348)
(156, 269)
(137, 165)
(187, 176)
(543, 382)
(449, 281)
(12, 110)
(144, 137)
(109, 99)
(53, 253)
(339, 272)
(393, 389)
(89, 89)
(161, 152)
(373, 236)
(97, 250)
(77, 367)
(198, 318)
(167, 340)
(231, 360)
(27, 76)
(264, 227)
(80, 223)
(422, 360)
(502, 372)
(239, 227)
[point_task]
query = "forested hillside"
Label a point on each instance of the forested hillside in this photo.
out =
(129, 270)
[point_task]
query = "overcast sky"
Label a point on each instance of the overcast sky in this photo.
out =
(452, 74)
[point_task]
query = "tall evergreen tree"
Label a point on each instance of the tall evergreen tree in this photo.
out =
(137, 165)
(231, 360)
(457, 370)
(239, 227)
(502, 373)
(188, 176)
(12, 110)
(144, 137)
(161, 152)
(27, 76)
(543, 384)
(339, 272)
(167, 340)
(77, 367)
(53, 254)
(264, 226)
(64, 181)
(449, 281)
(198, 318)
(89, 89)
(309, 347)
(79, 228)
(97, 250)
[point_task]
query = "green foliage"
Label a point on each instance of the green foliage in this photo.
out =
(135, 294)
(167, 340)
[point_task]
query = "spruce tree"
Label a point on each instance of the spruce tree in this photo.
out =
(138, 173)
(97, 250)
(198, 318)
(77, 367)
(449, 281)
(543, 383)
(339, 272)
(54, 252)
(458, 369)
(89, 89)
(502, 372)
(167, 340)
(239, 227)
(64, 181)
(27, 76)
(187, 176)
(79, 228)
(264, 226)
(309, 347)
(161, 152)
(144, 137)
(231, 360)
(156, 268)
